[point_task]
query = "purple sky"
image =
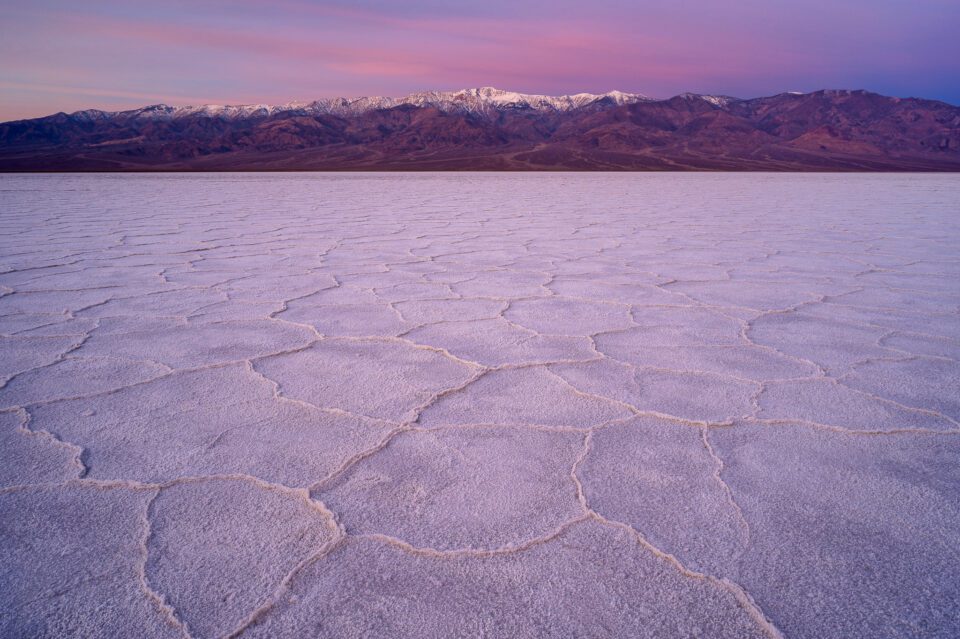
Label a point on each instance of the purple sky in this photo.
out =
(63, 56)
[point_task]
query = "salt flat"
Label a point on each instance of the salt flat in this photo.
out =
(463, 405)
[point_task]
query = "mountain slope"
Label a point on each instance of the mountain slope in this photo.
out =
(491, 129)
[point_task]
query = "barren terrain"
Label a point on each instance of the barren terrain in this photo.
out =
(463, 405)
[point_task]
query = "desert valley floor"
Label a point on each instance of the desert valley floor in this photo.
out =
(480, 405)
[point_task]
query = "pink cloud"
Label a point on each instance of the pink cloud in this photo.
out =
(252, 51)
(65, 89)
(530, 49)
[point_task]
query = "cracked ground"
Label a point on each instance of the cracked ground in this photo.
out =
(479, 405)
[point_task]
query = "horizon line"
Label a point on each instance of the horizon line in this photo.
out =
(297, 102)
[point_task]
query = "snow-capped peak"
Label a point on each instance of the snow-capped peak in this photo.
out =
(482, 100)
(719, 101)
(485, 97)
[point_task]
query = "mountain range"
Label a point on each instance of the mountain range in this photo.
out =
(491, 129)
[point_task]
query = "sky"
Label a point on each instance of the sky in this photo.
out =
(58, 55)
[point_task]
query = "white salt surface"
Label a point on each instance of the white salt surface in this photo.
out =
(467, 405)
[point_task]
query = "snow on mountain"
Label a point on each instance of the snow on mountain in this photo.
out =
(720, 101)
(481, 101)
